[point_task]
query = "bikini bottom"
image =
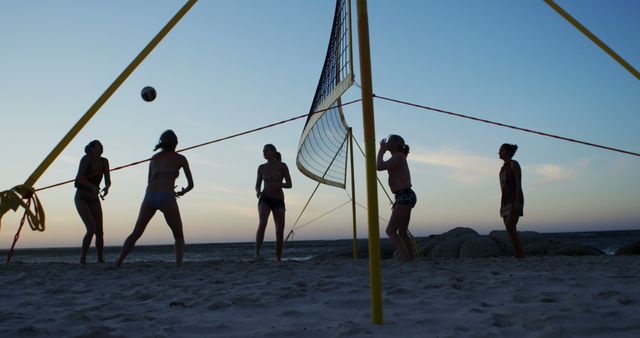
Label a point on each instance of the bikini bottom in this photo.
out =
(157, 199)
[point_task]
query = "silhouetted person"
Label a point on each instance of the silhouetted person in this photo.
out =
(164, 168)
(271, 196)
(87, 199)
(400, 185)
(512, 201)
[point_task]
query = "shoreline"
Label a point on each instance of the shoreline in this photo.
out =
(325, 240)
(454, 243)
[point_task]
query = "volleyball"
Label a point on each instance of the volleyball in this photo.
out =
(148, 93)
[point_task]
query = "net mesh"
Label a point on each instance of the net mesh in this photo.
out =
(322, 152)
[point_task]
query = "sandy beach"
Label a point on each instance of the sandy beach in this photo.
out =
(596, 296)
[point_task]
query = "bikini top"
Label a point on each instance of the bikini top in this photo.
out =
(277, 178)
(169, 173)
(273, 177)
(91, 174)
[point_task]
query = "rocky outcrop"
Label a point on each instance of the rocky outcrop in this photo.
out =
(536, 244)
(629, 249)
(571, 249)
(386, 250)
(480, 247)
(447, 245)
(467, 243)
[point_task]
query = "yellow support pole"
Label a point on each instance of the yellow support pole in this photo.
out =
(107, 94)
(103, 98)
(593, 38)
(353, 197)
(370, 158)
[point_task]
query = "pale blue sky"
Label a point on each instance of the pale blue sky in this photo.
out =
(229, 66)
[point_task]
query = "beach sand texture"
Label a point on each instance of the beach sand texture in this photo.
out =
(553, 296)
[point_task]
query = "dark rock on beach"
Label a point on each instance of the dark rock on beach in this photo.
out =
(571, 249)
(386, 250)
(467, 243)
(447, 245)
(629, 249)
(536, 244)
(462, 242)
(480, 247)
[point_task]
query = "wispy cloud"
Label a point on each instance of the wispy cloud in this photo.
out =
(209, 163)
(225, 211)
(554, 173)
(225, 191)
(464, 167)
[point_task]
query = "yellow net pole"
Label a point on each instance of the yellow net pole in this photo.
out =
(107, 94)
(370, 158)
(593, 38)
(101, 100)
(353, 198)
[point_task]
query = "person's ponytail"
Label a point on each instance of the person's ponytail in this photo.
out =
(405, 149)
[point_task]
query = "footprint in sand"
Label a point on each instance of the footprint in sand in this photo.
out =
(291, 313)
(606, 294)
(523, 299)
(398, 291)
(457, 286)
(350, 328)
(178, 304)
(499, 320)
(218, 305)
(548, 299)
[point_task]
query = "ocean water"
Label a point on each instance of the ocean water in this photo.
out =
(295, 250)
(607, 241)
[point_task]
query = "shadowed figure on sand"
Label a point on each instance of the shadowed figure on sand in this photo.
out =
(271, 197)
(400, 185)
(164, 169)
(512, 201)
(87, 198)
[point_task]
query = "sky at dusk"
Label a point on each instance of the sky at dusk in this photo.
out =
(230, 66)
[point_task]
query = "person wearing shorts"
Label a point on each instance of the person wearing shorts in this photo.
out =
(400, 185)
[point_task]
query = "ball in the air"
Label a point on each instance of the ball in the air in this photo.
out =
(148, 93)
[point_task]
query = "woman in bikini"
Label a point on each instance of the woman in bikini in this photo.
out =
(512, 201)
(271, 197)
(87, 199)
(164, 168)
(400, 185)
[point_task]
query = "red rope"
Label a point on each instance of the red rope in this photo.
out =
(210, 142)
(15, 238)
(507, 126)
